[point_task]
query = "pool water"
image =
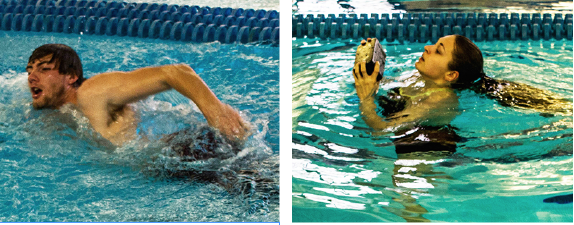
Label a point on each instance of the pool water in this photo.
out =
(511, 160)
(54, 168)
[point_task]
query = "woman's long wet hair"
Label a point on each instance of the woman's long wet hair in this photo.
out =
(468, 61)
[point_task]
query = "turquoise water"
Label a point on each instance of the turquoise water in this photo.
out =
(511, 161)
(53, 167)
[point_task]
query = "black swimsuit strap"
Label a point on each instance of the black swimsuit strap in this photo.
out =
(391, 103)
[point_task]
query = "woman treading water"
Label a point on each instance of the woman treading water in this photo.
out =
(420, 113)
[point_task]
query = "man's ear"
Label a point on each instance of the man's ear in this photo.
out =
(451, 76)
(72, 78)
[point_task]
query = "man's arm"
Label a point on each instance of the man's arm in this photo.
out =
(106, 93)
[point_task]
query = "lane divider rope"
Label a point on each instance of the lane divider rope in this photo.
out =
(144, 20)
(424, 27)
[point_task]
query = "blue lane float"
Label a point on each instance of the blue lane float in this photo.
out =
(424, 27)
(144, 20)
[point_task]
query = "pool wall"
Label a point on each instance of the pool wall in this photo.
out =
(423, 27)
(144, 20)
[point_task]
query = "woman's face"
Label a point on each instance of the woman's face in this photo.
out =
(433, 64)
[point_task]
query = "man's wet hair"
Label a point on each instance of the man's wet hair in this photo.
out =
(66, 59)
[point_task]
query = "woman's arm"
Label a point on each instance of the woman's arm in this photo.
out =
(439, 108)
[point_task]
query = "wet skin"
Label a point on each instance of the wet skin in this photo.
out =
(437, 108)
(49, 88)
(104, 98)
(433, 64)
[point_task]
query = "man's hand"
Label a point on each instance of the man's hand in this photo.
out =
(366, 84)
(229, 123)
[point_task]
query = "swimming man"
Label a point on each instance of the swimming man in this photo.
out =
(55, 78)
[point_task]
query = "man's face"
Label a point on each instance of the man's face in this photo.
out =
(46, 83)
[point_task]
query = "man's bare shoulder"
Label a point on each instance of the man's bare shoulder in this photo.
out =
(100, 83)
(93, 100)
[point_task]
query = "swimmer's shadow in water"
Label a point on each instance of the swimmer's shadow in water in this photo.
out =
(201, 144)
(204, 144)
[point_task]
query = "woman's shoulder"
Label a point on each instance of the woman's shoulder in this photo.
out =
(436, 95)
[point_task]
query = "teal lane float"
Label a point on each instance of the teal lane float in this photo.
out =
(423, 27)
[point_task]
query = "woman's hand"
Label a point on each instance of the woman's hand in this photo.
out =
(366, 84)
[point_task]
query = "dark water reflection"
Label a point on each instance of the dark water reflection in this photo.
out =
(485, 6)
(401, 6)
